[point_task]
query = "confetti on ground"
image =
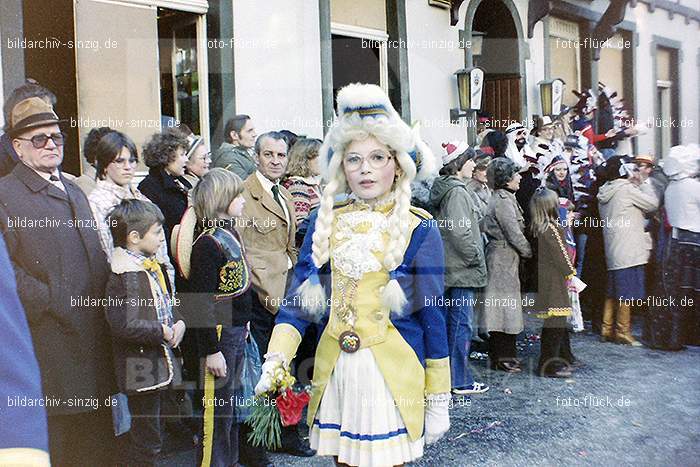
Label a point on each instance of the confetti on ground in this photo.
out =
(487, 427)
(508, 391)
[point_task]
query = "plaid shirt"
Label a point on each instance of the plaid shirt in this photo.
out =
(164, 307)
(103, 199)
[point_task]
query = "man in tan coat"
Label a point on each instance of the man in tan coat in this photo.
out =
(267, 229)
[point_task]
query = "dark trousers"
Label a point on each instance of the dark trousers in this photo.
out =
(594, 267)
(219, 427)
(501, 346)
(565, 348)
(306, 354)
(143, 442)
(554, 339)
(261, 324)
(84, 439)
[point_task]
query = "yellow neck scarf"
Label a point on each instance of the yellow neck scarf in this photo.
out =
(151, 264)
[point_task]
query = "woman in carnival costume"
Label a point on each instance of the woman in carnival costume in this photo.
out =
(370, 273)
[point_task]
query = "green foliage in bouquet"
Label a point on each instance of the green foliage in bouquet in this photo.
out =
(265, 419)
(265, 423)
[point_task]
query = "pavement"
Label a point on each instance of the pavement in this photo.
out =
(626, 407)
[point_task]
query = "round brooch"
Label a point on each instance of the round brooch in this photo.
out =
(349, 342)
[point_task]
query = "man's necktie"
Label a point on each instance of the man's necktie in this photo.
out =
(276, 195)
(56, 181)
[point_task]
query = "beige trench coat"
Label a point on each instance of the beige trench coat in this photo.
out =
(623, 207)
(504, 226)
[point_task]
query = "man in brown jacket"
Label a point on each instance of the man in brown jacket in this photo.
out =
(267, 229)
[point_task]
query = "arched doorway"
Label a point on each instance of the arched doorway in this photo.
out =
(502, 58)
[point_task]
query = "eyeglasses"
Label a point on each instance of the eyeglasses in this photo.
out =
(39, 141)
(377, 160)
(204, 157)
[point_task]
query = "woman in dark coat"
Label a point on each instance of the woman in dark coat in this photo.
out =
(166, 156)
(504, 226)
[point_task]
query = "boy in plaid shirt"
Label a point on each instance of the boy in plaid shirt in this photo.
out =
(145, 326)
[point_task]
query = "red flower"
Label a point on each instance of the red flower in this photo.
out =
(290, 404)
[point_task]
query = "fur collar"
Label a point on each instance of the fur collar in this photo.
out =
(124, 262)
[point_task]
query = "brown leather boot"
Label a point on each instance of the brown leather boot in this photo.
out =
(606, 327)
(623, 328)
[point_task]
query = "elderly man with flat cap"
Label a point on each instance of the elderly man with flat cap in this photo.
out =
(61, 273)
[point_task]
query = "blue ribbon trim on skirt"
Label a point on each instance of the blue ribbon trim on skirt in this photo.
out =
(357, 436)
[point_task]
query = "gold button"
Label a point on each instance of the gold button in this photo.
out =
(378, 316)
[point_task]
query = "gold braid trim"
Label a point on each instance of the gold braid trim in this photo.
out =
(552, 312)
(563, 249)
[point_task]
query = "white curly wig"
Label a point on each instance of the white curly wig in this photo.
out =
(365, 110)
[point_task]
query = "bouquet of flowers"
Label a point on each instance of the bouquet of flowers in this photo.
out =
(276, 405)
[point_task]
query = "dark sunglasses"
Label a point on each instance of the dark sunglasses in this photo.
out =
(39, 141)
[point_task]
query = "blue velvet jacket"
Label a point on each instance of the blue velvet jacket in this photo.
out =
(410, 348)
(23, 428)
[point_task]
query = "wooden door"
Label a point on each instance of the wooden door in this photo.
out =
(502, 99)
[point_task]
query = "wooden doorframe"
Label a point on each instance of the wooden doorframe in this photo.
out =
(523, 48)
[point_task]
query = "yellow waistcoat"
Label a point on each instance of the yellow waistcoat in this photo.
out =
(403, 373)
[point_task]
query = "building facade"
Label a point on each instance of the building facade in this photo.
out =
(129, 63)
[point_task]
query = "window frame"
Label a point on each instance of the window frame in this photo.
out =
(377, 35)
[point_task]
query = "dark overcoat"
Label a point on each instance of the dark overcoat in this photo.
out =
(61, 273)
(169, 194)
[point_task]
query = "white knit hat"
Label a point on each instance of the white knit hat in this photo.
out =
(365, 109)
(453, 150)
